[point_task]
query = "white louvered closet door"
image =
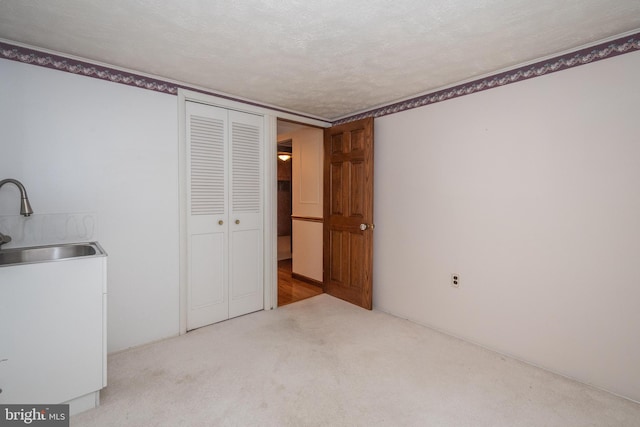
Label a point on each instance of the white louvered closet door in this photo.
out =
(224, 214)
(207, 209)
(246, 285)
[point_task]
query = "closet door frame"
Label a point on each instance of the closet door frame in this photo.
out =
(269, 188)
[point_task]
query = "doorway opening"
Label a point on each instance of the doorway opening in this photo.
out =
(299, 211)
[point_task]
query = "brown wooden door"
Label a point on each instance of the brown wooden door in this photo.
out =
(348, 212)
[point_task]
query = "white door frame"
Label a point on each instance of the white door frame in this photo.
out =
(270, 194)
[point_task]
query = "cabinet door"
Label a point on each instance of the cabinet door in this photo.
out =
(51, 326)
(207, 215)
(246, 287)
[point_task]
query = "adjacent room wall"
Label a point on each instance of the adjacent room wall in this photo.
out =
(307, 202)
(86, 145)
(531, 193)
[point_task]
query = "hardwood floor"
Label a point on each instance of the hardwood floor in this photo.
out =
(292, 290)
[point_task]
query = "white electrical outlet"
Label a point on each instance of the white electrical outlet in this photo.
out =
(455, 280)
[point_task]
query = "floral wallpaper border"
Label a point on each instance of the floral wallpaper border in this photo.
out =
(581, 57)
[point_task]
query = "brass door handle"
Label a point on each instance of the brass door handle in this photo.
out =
(237, 221)
(364, 227)
(220, 222)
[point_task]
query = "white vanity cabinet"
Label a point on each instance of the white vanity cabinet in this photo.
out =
(53, 332)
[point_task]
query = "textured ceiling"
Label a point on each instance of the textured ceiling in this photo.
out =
(328, 58)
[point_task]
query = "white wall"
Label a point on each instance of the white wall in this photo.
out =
(307, 195)
(85, 145)
(531, 193)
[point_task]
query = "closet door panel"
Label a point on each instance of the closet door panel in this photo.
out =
(207, 210)
(246, 287)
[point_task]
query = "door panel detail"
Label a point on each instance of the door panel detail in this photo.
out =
(357, 140)
(336, 188)
(207, 165)
(337, 257)
(356, 246)
(356, 190)
(336, 143)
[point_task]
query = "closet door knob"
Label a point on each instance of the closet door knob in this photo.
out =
(237, 221)
(220, 222)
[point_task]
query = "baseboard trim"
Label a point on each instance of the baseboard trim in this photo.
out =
(307, 280)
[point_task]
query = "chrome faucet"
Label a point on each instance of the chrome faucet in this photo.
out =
(25, 206)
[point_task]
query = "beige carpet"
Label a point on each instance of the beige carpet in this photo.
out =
(323, 362)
